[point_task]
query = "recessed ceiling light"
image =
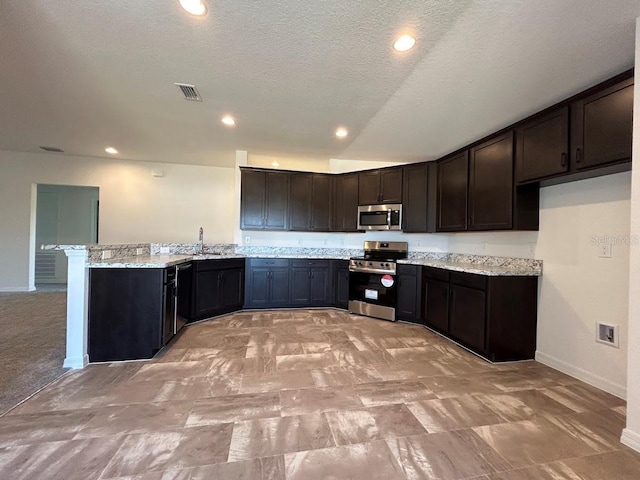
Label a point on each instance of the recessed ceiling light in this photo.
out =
(341, 132)
(228, 120)
(404, 43)
(275, 164)
(111, 150)
(194, 7)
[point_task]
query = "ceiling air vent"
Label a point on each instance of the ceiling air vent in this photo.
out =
(190, 92)
(52, 149)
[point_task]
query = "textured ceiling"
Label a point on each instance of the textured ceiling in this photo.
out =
(84, 75)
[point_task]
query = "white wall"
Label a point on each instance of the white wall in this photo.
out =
(343, 166)
(303, 164)
(578, 288)
(134, 206)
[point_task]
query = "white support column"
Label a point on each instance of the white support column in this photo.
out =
(631, 434)
(77, 309)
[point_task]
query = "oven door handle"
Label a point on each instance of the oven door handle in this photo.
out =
(372, 270)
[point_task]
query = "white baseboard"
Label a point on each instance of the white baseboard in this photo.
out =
(17, 289)
(581, 374)
(76, 362)
(630, 439)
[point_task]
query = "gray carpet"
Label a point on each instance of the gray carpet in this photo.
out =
(32, 343)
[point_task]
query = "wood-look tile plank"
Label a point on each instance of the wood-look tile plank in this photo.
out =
(234, 408)
(371, 461)
(370, 424)
(274, 436)
(533, 441)
(445, 455)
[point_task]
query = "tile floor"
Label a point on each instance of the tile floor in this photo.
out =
(315, 394)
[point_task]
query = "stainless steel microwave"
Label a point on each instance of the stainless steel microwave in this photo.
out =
(380, 217)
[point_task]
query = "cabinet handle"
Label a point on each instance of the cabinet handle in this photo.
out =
(563, 159)
(309, 274)
(578, 155)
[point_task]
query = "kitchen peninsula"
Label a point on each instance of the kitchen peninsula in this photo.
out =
(483, 272)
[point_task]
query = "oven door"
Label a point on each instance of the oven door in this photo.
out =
(373, 294)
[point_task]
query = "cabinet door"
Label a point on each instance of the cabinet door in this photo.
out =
(369, 187)
(491, 184)
(231, 289)
(207, 296)
(300, 286)
(436, 304)
(300, 201)
(452, 193)
(602, 127)
(276, 200)
(321, 203)
(391, 185)
(345, 217)
(320, 293)
(407, 304)
(341, 293)
(257, 287)
(414, 205)
(252, 197)
(467, 316)
(542, 146)
(279, 287)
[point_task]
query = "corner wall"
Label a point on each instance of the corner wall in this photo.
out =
(631, 434)
(134, 206)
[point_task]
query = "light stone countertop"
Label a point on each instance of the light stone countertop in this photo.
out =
(163, 261)
(478, 269)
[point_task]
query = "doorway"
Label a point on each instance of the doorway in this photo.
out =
(65, 215)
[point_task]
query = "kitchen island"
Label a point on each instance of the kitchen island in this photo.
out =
(83, 259)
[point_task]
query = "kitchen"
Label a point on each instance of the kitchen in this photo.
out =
(582, 287)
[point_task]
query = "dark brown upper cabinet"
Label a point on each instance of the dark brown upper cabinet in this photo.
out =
(380, 186)
(542, 146)
(453, 176)
(419, 197)
(264, 200)
(602, 127)
(491, 184)
(310, 199)
(345, 205)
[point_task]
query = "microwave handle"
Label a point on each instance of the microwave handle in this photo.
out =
(389, 217)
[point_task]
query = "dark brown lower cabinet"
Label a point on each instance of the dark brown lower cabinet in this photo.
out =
(495, 316)
(467, 317)
(341, 283)
(126, 313)
(218, 287)
(409, 293)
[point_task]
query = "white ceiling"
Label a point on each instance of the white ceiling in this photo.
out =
(84, 75)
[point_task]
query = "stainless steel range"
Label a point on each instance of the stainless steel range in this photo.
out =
(372, 279)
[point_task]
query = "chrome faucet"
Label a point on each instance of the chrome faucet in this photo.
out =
(200, 245)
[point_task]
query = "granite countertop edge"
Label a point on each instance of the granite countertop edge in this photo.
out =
(164, 261)
(478, 269)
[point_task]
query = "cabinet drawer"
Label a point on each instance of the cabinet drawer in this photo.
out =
(435, 273)
(303, 262)
(269, 262)
(206, 265)
(470, 280)
(407, 269)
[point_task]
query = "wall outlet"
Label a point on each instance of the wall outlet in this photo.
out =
(532, 247)
(607, 334)
(604, 251)
(139, 251)
(106, 254)
(165, 250)
(247, 240)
